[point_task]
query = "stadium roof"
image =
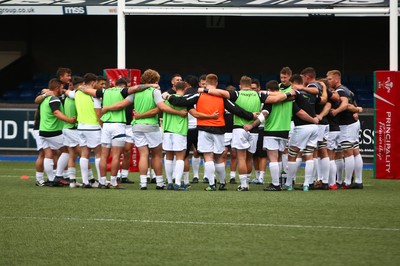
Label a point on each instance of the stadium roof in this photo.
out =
(249, 7)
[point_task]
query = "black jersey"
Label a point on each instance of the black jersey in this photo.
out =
(305, 101)
(333, 120)
(318, 106)
(346, 117)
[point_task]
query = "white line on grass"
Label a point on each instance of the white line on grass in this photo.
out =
(209, 223)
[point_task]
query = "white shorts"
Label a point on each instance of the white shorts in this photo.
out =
(208, 142)
(349, 132)
(291, 129)
(174, 142)
(113, 134)
(274, 143)
(54, 143)
(228, 139)
(71, 137)
(89, 138)
(323, 131)
(150, 139)
(39, 143)
(333, 140)
(304, 136)
(243, 140)
(129, 134)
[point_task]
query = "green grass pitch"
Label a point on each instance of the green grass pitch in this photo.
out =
(65, 226)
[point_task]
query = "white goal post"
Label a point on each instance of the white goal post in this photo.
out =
(392, 10)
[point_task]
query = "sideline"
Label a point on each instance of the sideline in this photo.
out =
(203, 223)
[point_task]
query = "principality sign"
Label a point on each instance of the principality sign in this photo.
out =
(387, 124)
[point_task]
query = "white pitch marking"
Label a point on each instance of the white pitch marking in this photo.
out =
(208, 223)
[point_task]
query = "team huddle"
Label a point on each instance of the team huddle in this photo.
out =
(299, 119)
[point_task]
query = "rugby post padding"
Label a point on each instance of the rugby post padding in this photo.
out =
(112, 74)
(387, 124)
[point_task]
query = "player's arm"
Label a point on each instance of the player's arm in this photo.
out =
(44, 93)
(260, 118)
(306, 117)
(354, 109)
(344, 102)
(118, 105)
(200, 115)
(149, 113)
(324, 95)
(186, 100)
(142, 87)
(325, 111)
(216, 92)
(276, 96)
(88, 90)
(237, 110)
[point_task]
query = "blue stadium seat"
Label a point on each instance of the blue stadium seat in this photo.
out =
(40, 85)
(221, 86)
(365, 99)
(11, 96)
(26, 85)
(267, 77)
(224, 78)
(27, 96)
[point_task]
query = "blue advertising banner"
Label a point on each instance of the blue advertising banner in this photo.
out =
(16, 129)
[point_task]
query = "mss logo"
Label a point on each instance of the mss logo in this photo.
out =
(74, 10)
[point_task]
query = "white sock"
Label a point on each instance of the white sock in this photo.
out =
(84, 163)
(124, 173)
(209, 170)
(274, 170)
(280, 167)
(348, 168)
(196, 166)
(148, 172)
(243, 180)
(314, 173)
(186, 177)
(159, 180)
(324, 165)
(39, 176)
(97, 164)
(261, 176)
(113, 180)
(299, 161)
(143, 180)
(291, 172)
(339, 170)
(103, 180)
(90, 173)
(232, 174)
(178, 172)
(308, 171)
(62, 162)
(284, 162)
(71, 173)
(257, 172)
(48, 168)
(332, 172)
(168, 170)
(358, 168)
(220, 170)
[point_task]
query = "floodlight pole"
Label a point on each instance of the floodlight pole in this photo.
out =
(394, 35)
(121, 43)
